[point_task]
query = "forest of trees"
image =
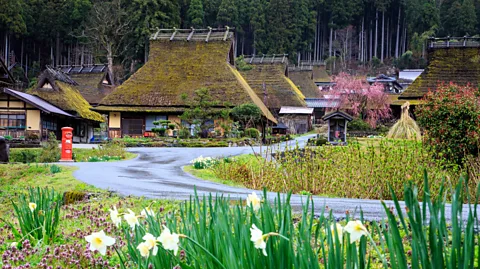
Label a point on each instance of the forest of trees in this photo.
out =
(34, 33)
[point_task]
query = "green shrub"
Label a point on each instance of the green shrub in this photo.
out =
(358, 125)
(55, 169)
(242, 65)
(24, 155)
(184, 133)
(451, 118)
(38, 214)
(159, 131)
(252, 133)
(50, 151)
(8, 137)
(171, 126)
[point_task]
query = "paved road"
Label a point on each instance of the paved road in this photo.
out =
(157, 173)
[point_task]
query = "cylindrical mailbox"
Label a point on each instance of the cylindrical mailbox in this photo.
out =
(67, 140)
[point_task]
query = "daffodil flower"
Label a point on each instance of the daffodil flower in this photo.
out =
(116, 219)
(144, 249)
(32, 206)
(99, 241)
(151, 242)
(339, 230)
(169, 240)
(258, 239)
(356, 230)
(254, 201)
(131, 219)
(14, 244)
(147, 211)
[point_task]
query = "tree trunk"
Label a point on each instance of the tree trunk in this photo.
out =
(383, 36)
(330, 45)
(57, 49)
(110, 63)
(376, 34)
(397, 41)
(6, 49)
(371, 42)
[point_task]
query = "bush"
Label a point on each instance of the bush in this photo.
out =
(252, 133)
(451, 118)
(159, 131)
(24, 155)
(242, 65)
(358, 125)
(184, 133)
(204, 162)
(51, 151)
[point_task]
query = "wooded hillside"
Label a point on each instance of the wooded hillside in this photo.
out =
(34, 33)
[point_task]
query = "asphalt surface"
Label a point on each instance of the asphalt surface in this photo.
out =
(158, 173)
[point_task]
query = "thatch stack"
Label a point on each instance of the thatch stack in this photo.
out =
(406, 127)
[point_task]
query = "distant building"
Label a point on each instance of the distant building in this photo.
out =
(180, 62)
(390, 84)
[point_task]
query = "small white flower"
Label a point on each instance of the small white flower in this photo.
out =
(13, 244)
(169, 240)
(339, 229)
(252, 199)
(356, 230)
(144, 249)
(99, 241)
(131, 219)
(151, 242)
(147, 211)
(32, 206)
(114, 216)
(257, 239)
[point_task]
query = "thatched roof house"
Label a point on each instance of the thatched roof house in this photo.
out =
(302, 76)
(452, 62)
(59, 89)
(93, 81)
(270, 73)
(180, 62)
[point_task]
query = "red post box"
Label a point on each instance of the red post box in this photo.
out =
(67, 137)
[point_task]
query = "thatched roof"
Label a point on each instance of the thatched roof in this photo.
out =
(89, 80)
(459, 65)
(281, 91)
(303, 80)
(181, 67)
(320, 74)
(58, 88)
(6, 77)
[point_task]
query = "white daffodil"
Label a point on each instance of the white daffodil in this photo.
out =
(151, 242)
(116, 219)
(99, 241)
(356, 230)
(147, 211)
(252, 199)
(169, 240)
(144, 249)
(339, 230)
(258, 239)
(32, 206)
(131, 219)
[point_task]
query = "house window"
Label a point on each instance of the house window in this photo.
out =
(49, 124)
(12, 121)
(149, 119)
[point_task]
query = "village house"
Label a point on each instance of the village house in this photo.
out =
(59, 89)
(454, 60)
(180, 62)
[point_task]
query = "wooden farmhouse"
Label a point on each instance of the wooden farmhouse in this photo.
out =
(92, 81)
(454, 60)
(60, 90)
(269, 79)
(180, 62)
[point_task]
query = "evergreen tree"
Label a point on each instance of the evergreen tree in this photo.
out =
(195, 14)
(211, 11)
(467, 19)
(12, 17)
(258, 24)
(227, 13)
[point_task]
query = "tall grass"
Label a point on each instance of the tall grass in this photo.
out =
(354, 171)
(217, 235)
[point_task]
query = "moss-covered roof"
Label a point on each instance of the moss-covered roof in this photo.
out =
(64, 96)
(180, 67)
(458, 65)
(303, 79)
(320, 74)
(281, 91)
(91, 87)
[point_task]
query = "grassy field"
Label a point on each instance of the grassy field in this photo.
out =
(77, 220)
(31, 155)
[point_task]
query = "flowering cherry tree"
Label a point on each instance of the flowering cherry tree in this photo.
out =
(360, 99)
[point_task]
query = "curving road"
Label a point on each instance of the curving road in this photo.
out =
(158, 173)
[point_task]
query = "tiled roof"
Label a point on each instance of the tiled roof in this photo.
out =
(36, 102)
(321, 103)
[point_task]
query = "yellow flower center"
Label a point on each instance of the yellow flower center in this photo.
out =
(97, 241)
(358, 228)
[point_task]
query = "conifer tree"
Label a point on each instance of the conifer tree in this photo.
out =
(195, 14)
(227, 13)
